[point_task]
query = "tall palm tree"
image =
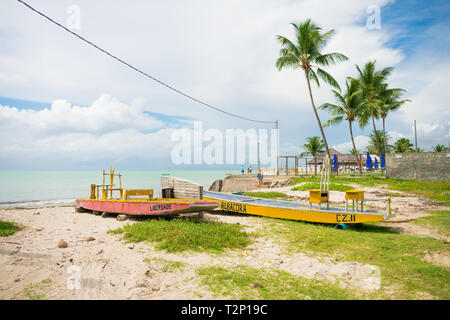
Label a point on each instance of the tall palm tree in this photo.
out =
(350, 106)
(389, 101)
(305, 53)
(371, 81)
(314, 146)
(403, 145)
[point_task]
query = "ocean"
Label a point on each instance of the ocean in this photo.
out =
(34, 189)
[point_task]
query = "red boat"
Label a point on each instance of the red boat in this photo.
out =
(177, 196)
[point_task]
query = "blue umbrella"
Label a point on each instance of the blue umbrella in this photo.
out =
(368, 161)
(376, 163)
(383, 161)
(335, 162)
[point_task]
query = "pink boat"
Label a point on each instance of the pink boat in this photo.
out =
(177, 196)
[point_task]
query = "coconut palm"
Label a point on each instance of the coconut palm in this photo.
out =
(305, 53)
(350, 106)
(372, 148)
(403, 145)
(371, 81)
(439, 148)
(314, 147)
(389, 100)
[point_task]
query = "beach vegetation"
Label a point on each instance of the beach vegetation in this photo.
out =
(244, 282)
(405, 272)
(176, 235)
(8, 228)
(267, 195)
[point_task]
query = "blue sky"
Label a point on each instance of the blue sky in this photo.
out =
(213, 51)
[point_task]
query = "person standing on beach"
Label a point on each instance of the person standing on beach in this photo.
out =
(242, 169)
(260, 178)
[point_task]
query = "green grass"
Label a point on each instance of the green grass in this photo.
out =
(439, 220)
(167, 265)
(178, 235)
(38, 290)
(8, 228)
(243, 282)
(268, 195)
(332, 186)
(405, 273)
(434, 190)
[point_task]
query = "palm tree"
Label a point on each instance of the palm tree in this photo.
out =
(371, 81)
(389, 101)
(350, 107)
(305, 53)
(372, 148)
(314, 146)
(439, 148)
(403, 145)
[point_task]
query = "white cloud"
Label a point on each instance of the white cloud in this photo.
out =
(104, 114)
(67, 135)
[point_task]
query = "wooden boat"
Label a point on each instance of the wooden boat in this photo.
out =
(306, 212)
(177, 196)
(294, 210)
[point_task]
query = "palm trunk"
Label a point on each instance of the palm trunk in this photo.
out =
(354, 147)
(317, 116)
(384, 135)
(315, 166)
(376, 136)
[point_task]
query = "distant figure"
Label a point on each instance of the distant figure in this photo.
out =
(260, 178)
(250, 170)
(242, 170)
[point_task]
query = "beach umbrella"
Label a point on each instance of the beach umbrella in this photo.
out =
(383, 161)
(376, 163)
(368, 161)
(335, 162)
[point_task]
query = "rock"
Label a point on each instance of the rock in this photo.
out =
(155, 288)
(121, 217)
(39, 229)
(256, 285)
(62, 244)
(100, 252)
(90, 238)
(104, 214)
(36, 213)
(17, 280)
(131, 246)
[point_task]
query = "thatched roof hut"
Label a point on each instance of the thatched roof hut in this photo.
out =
(343, 159)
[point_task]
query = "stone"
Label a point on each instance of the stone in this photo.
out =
(90, 238)
(62, 244)
(121, 217)
(155, 288)
(131, 246)
(104, 214)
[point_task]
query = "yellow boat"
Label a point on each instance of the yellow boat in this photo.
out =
(299, 211)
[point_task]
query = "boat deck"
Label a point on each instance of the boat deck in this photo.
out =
(292, 210)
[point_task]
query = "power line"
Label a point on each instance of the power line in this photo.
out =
(138, 70)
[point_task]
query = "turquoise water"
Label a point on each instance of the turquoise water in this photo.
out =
(43, 188)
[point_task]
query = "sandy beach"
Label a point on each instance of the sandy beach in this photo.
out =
(100, 265)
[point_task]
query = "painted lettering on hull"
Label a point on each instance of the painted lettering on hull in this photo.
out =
(235, 207)
(160, 206)
(345, 217)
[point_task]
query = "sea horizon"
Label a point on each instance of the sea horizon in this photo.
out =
(41, 188)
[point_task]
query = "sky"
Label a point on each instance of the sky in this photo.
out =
(65, 105)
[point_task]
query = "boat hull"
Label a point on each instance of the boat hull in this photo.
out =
(291, 210)
(146, 208)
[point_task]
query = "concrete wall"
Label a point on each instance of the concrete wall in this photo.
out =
(418, 166)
